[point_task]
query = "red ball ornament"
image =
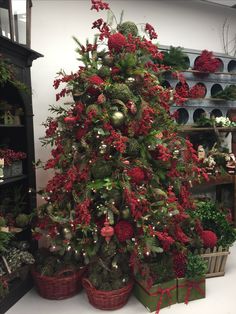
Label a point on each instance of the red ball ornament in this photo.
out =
(116, 42)
(209, 238)
(96, 80)
(137, 175)
(70, 120)
(124, 230)
(107, 231)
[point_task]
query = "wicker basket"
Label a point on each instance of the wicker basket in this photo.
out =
(62, 286)
(107, 300)
(216, 259)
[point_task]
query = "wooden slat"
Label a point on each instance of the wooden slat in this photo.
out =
(213, 261)
(219, 260)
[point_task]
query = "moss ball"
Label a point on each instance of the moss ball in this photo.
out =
(101, 169)
(104, 71)
(22, 220)
(121, 92)
(127, 28)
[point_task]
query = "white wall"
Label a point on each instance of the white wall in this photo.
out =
(187, 23)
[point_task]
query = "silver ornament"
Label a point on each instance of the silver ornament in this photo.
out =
(117, 118)
(67, 233)
(102, 149)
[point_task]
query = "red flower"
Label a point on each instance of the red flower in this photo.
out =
(137, 175)
(99, 5)
(151, 31)
(117, 42)
(179, 264)
(209, 238)
(124, 230)
(165, 239)
(96, 80)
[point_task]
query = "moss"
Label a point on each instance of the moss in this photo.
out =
(127, 28)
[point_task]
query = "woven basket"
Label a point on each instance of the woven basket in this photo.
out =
(63, 285)
(107, 300)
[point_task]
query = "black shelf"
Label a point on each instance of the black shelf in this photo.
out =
(11, 126)
(13, 179)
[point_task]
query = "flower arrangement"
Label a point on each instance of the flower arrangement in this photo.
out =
(10, 156)
(206, 62)
(217, 222)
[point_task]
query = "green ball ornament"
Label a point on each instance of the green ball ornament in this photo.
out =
(67, 233)
(127, 28)
(117, 118)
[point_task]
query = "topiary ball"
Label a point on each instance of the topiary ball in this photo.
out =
(101, 169)
(209, 238)
(22, 220)
(121, 92)
(127, 28)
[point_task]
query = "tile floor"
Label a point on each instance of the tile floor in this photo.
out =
(221, 299)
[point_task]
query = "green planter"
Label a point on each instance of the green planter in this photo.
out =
(158, 296)
(190, 290)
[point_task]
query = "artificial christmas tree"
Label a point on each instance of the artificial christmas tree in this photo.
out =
(122, 173)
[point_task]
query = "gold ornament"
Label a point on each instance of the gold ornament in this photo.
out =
(67, 233)
(117, 118)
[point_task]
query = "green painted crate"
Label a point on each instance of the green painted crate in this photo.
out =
(190, 290)
(158, 296)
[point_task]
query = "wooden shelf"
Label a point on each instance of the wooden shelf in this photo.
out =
(11, 126)
(187, 129)
(215, 180)
(13, 179)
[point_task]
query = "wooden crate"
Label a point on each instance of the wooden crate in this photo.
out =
(216, 259)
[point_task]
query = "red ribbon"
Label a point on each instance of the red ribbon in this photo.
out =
(192, 285)
(161, 292)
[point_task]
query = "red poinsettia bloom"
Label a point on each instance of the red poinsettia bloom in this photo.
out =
(209, 238)
(137, 175)
(96, 80)
(117, 42)
(124, 230)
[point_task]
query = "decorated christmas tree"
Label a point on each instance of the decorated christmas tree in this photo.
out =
(122, 173)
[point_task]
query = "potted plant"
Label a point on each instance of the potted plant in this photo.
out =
(57, 276)
(217, 235)
(155, 282)
(12, 162)
(109, 282)
(192, 285)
